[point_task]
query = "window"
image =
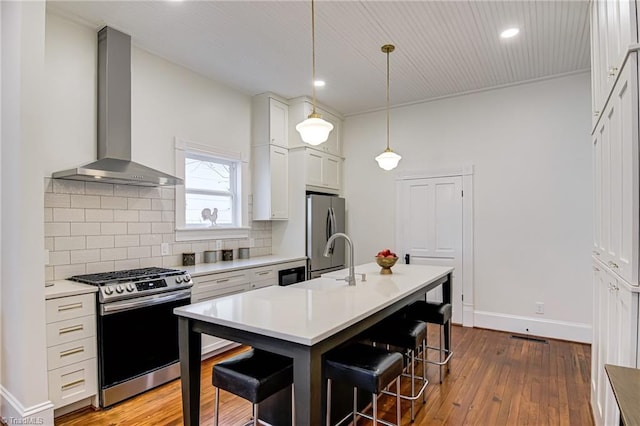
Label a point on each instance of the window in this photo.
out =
(213, 202)
(210, 188)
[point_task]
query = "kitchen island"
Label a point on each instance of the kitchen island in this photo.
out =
(301, 321)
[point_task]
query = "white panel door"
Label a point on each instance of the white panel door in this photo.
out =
(431, 230)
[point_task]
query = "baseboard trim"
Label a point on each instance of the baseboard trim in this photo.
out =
(467, 315)
(13, 412)
(563, 330)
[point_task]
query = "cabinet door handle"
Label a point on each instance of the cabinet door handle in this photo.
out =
(71, 329)
(72, 384)
(223, 280)
(612, 265)
(63, 308)
(73, 351)
(264, 272)
(596, 113)
(613, 71)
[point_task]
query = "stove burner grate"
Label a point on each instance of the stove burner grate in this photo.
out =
(125, 275)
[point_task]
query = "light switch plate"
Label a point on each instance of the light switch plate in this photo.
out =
(164, 249)
(218, 245)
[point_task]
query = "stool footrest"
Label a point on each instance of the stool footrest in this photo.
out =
(445, 361)
(408, 397)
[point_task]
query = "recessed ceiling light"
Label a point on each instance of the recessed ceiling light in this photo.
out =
(319, 83)
(510, 32)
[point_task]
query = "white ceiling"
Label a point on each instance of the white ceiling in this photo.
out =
(442, 47)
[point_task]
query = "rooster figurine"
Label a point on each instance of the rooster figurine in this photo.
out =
(211, 216)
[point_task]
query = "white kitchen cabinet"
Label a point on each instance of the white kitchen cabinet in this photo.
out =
(323, 171)
(616, 177)
(613, 30)
(299, 110)
(269, 121)
(615, 337)
(71, 349)
(270, 182)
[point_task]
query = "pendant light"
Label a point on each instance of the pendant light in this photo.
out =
(314, 130)
(388, 160)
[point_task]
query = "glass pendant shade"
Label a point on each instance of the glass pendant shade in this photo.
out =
(314, 130)
(388, 160)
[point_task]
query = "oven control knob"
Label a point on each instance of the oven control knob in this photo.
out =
(130, 287)
(179, 280)
(108, 290)
(119, 288)
(187, 278)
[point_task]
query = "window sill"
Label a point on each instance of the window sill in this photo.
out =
(194, 234)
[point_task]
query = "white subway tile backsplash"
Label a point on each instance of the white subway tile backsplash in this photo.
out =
(85, 201)
(68, 215)
(113, 254)
(151, 262)
(96, 188)
(97, 267)
(115, 228)
(96, 227)
(85, 256)
(126, 216)
(120, 265)
(138, 252)
(161, 227)
(113, 203)
(127, 241)
(62, 272)
(162, 204)
(57, 200)
(139, 203)
(150, 192)
(98, 215)
(55, 229)
(69, 243)
(150, 239)
(138, 228)
(168, 193)
(61, 186)
(59, 258)
(102, 241)
(85, 228)
(126, 191)
(150, 216)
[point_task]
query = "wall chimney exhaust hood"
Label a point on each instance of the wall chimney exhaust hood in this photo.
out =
(114, 163)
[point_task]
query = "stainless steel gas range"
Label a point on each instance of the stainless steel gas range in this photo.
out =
(137, 330)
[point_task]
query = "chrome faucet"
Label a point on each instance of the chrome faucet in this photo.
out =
(351, 279)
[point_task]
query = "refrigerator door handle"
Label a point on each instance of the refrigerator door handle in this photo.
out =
(329, 228)
(333, 227)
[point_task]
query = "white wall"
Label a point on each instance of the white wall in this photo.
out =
(530, 147)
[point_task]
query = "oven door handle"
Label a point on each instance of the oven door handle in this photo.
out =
(127, 305)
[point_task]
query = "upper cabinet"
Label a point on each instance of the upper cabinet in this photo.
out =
(269, 121)
(299, 110)
(614, 28)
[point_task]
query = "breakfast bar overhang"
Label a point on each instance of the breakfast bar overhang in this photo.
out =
(301, 321)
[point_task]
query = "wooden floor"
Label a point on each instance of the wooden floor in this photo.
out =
(494, 380)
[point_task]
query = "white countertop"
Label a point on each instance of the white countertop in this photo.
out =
(230, 265)
(64, 288)
(313, 310)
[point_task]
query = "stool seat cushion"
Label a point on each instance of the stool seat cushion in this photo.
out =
(366, 367)
(254, 375)
(435, 313)
(400, 332)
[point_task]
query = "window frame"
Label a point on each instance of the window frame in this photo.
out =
(183, 150)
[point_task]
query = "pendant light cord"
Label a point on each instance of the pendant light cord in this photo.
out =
(313, 56)
(388, 51)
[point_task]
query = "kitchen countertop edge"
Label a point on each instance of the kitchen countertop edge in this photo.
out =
(65, 288)
(232, 265)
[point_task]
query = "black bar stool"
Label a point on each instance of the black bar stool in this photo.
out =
(364, 367)
(409, 335)
(254, 375)
(435, 313)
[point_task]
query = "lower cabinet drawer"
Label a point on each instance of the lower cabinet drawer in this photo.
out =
(65, 308)
(73, 382)
(73, 329)
(71, 352)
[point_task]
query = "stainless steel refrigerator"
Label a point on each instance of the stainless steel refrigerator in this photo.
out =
(325, 217)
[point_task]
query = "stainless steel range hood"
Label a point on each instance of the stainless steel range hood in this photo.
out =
(114, 163)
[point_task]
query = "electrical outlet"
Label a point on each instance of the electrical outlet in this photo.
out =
(164, 249)
(252, 242)
(539, 308)
(218, 245)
